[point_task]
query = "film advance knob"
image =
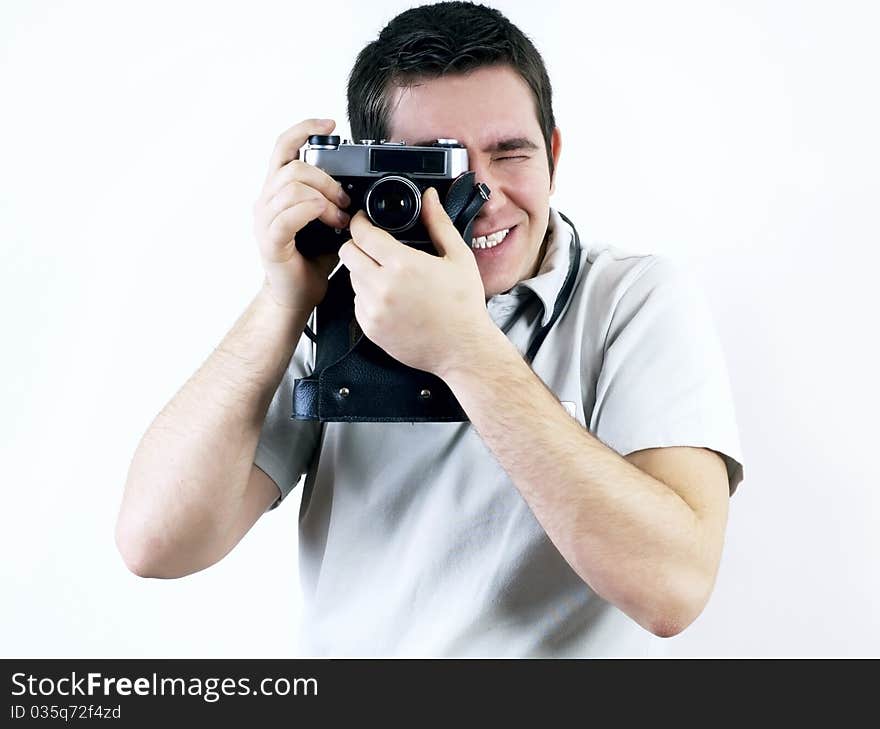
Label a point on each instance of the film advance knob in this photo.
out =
(324, 141)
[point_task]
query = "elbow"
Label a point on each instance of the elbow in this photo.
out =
(673, 615)
(665, 605)
(133, 560)
(669, 603)
(152, 556)
(130, 538)
(667, 626)
(142, 554)
(134, 555)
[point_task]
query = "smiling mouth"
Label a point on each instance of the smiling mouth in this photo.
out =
(485, 242)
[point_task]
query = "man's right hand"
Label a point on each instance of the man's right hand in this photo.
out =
(294, 194)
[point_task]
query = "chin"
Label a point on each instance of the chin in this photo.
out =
(495, 290)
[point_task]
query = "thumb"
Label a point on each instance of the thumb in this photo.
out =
(443, 233)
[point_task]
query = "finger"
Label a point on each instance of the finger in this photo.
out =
(361, 286)
(359, 263)
(279, 240)
(295, 192)
(299, 171)
(288, 143)
(361, 313)
(443, 233)
(375, 242)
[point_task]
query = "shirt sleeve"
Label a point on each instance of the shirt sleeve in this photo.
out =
(287, 447)
(664, 379)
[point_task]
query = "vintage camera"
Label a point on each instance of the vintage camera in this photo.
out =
(386, 180)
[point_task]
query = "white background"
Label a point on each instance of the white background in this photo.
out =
(740, 137)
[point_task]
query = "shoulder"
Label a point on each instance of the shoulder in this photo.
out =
(618, 272)
(654, 298)
(616, 283)
(605, 269)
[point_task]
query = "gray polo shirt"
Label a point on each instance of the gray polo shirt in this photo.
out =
(413, 541)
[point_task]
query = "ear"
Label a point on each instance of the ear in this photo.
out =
(555, 150)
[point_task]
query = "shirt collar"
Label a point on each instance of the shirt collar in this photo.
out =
(547, 283)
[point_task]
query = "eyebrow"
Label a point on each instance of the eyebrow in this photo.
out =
(509, 144)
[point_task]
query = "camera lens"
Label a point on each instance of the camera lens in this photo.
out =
(393, 203)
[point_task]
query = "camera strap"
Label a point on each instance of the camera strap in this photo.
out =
(464, 221)
(574, 262)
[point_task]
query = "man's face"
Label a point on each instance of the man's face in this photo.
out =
(483, 110)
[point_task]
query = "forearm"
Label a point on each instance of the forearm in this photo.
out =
(626, 534)
(187, 479)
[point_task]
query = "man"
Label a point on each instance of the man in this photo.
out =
(582, 509)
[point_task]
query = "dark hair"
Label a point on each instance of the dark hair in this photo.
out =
(435, 40)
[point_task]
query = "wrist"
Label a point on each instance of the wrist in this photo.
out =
(288, 323)
(481, 346)
(294, 307)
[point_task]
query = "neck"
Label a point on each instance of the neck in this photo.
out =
(542, 251)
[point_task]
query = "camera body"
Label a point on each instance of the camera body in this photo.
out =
(387, 180)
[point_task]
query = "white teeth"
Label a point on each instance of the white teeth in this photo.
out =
(490, 241)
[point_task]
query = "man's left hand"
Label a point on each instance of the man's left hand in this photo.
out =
(426, 311)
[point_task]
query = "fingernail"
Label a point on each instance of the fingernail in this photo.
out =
(344, 200)
(343, 217)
